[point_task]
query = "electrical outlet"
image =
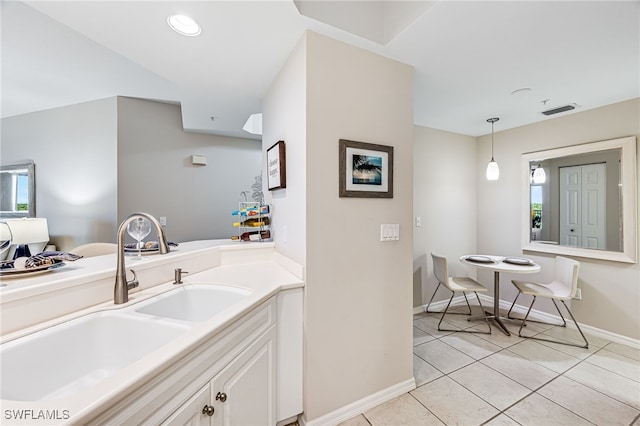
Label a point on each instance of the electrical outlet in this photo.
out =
(418, 221)
(163, 221)
(578, 295)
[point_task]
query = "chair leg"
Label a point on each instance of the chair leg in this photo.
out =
(564, 323)
(483, 311)
(586, 343)
(524, 320)
(445, 312)
(463, 331)
(431, 300)
(512, 305)
(451, 313)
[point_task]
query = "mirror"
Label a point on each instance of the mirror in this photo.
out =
(18, 190)
(581, 200)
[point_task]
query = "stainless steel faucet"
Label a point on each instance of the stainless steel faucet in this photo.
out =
(122, 287)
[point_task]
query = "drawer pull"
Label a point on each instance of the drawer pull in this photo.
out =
(221, 396)
(208, 410)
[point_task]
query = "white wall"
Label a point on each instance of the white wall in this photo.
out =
(610, 290)
(358, 289)
(74, 150)
(444, 189)
(285, 118)
(155, 174)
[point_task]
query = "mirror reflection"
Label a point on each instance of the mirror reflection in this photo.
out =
(576, 200)
(17, 190)
(581, 200)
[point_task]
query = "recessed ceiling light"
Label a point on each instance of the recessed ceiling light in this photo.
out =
(183, 25)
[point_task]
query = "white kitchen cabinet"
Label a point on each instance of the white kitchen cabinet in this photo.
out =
(256, 361)
(191, 412)
(242, 393)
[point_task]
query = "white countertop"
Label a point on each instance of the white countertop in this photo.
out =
(90, 281)
(264, 275)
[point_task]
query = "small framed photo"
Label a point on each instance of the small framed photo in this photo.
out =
(276, 166)
(366, 170)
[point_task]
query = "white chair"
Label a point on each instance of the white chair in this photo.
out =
(455, 284)
(563, 287)
(95, 249)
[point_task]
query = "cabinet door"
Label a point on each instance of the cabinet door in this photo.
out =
(190, 413)
(244, 392)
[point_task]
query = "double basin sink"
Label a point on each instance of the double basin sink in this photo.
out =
(63, 359)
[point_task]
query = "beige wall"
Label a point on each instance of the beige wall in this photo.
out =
(610, 290)
(74, 150)
(444, 170)
(358, 289)
(155, 174)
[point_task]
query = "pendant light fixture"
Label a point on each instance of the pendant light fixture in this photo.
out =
(539, 176)
(493, 171)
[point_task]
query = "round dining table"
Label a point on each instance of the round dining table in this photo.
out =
(498, 264)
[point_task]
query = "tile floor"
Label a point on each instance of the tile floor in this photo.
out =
(481, 379)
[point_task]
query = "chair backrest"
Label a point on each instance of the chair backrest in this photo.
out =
(95, 249)
(566, 272)
(440, 269)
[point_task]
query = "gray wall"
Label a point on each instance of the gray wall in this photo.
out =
(155, 173)
(99, 161)
(74, 150)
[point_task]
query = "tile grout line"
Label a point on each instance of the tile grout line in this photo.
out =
(569, 356)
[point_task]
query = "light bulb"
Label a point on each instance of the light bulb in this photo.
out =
(539, 175)
(493, 171)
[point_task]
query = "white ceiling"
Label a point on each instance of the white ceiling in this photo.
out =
(468, 56)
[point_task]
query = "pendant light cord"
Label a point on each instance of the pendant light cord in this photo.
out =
(492, 121)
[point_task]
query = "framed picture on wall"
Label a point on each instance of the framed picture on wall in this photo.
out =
(366, 170)
(276, 166)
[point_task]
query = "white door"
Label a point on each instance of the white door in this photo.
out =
(583, 206)
(594, 202)
(570, 206)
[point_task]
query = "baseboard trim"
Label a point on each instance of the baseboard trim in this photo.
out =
(535, 314)
(349, 411)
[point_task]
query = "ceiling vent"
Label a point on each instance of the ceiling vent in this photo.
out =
(560, 109)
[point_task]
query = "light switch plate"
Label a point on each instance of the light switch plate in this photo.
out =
(390, 232)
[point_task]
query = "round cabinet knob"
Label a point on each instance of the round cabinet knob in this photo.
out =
(208, 410)
(221, 396)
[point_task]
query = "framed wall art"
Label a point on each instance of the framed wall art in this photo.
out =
(366, 170)
(276, 166)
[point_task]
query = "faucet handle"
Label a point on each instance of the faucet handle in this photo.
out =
(177, 276)
(134, 282)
